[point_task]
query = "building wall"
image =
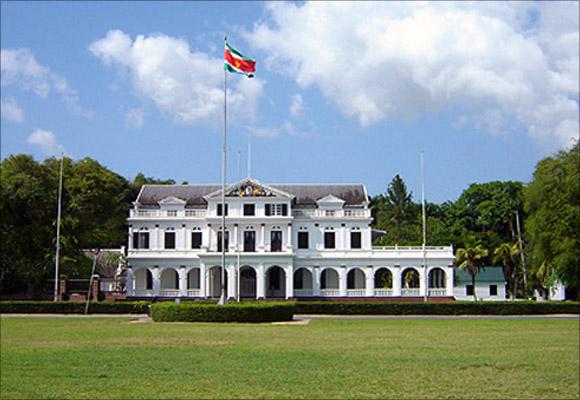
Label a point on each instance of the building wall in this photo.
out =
(481, 291)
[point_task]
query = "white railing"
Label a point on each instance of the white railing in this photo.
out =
(275, 293)
(438, 292)
(330, 292)
(349, 213)
(169, 292)
(167, 213)
(303, 292)
(356, 292)
(410, 292)
(143, 293)
(193, 292)
(384, 292)
(400, 248)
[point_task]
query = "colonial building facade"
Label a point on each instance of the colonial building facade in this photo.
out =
(282, 241)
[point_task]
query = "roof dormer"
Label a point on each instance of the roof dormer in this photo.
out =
(330, 202)
(171, 202)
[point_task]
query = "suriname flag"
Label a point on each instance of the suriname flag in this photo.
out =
(234, 61)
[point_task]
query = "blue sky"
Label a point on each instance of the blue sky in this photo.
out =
(344, 92)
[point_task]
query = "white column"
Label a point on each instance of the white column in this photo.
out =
(449, 281)
(156, 280)
(206, 238)
(202, 280)
(130, 240)
(370, 281)
(289, 238)
(422, 288)
(158, 238)
(182, 274)
(316, 281)
(289, 282)
(184, 238)
(260, 282)
(236, 239)
(232, 281)
(261, 238)
(342, 241)
(342, 280)
(130, 282)
(397, 284)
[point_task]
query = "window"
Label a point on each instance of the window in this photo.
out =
(329, 240)
(355, 240)
(172, 213)
(219, 241)
(249, 241)
(469, 290)
(149, 284)
(493, 290)
(219, 209)
(196, 240)
(169, 240)
(249, 209)
(276, 210)
(302, 240)
(276, 241)
(141, 240)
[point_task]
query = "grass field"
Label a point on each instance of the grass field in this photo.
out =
(115, 358)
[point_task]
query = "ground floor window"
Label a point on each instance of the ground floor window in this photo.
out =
(469, 290)
(493, 290)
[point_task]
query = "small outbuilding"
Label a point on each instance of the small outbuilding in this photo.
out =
(490, 284)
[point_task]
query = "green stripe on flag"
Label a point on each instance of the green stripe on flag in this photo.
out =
(237, 53)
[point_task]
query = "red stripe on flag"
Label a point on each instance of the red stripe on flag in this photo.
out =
(243, 65)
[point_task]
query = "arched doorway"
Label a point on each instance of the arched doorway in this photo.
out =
(169, 282)
(355, 283)
(275, 282)
(410, 280)
(143, 280)
(194, 282)
(302, 282)
(383, 282)
(437, 282)
(214, 282)
(329, 285)
(247, 282)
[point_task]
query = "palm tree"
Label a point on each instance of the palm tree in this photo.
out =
(470, 259)
(505, 254)
(400, 201)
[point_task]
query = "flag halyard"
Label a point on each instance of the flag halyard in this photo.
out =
(236, 62)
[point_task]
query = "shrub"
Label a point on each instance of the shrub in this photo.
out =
(232, 312)
(451, 308)
(66, 307)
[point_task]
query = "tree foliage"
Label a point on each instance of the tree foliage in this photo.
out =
(552, 202)
(471, 259)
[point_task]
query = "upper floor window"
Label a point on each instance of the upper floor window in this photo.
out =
(196, 240)
(329, 242)
(172, 213)
(276, 241)
(249, 241)
(277, 209)
(219, 209)
(226, 240)
(355, 240)
(303, 240)
(140, 240)
(249, 209)
(169, 240)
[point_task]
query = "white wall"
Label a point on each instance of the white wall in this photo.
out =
(481, 291)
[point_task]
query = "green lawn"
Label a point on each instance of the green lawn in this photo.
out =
(114, 358)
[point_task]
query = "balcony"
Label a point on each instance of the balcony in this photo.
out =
(145, 214)
(346, 213)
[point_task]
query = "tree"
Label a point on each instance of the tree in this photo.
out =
(505, 253)
(471, 260)
(552, 202)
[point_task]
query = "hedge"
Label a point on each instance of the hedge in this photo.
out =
(451, 308)
(69, 307)
(232, 312)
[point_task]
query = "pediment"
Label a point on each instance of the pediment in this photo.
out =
(171, 200)
(330, 201)
(250, 188)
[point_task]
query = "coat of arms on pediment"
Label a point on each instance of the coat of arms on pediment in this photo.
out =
(250, 189)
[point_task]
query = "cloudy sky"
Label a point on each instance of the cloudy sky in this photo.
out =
(344, 92)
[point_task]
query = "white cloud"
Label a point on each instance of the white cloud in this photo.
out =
(46, 141)
(135, 118)
(11, 111)
(185, 84)
(296, 104)
(492, 62)
(274, 132)
(20, 68)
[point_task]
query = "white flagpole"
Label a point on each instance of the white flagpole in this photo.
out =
(426, 278)
(239, 229)
(57, 257)
(222, 299)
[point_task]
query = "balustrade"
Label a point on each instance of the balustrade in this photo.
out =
(356, 292)
(384, 292)
(410, 292)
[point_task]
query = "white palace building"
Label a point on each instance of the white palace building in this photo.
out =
(288, 241)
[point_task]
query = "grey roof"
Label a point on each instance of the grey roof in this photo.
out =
(305, 194)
